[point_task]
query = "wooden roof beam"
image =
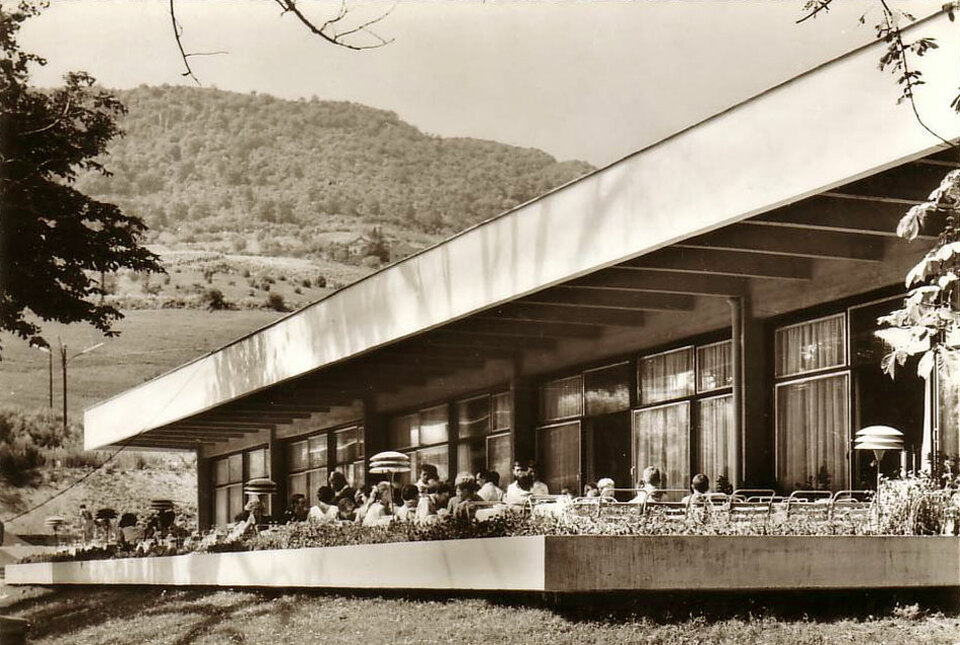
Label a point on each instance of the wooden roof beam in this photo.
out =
(611, 299)
(734, 263)
(494, 326)
(851, 216)
(796, 243)
(468, 340)
(665, 281)
(578, 315)
(910, 182)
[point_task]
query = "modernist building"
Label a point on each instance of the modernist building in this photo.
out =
(704, 305)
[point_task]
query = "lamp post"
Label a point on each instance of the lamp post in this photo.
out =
(46, 350)
(63, 365)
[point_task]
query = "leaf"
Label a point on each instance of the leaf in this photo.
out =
(926, 364)
(945, 280)
(909, 226)
(889, 364)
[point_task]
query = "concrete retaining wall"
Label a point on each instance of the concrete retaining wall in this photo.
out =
(551, 563)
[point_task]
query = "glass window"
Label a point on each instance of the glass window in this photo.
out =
(717, 444)
(258, 463)
(235, 493)
(812, 433)
(473, 418)
(221, 475)
(221, 512)
(404, 431)
(499, 458)
(666, 376)
(558, 456)
(297, 484)
(318, 451)
(561, 398)
(501, 410)
(661, 438)
(471, 456)
(948, 390)
(297, 456)
(809, 346)
(436, 456)
(433, 425)
(235, 467)
(606, 389)
(713, 366)
(348, 445)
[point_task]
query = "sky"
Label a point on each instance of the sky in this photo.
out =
(590, 81)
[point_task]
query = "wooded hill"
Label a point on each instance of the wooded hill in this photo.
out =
(251, 173)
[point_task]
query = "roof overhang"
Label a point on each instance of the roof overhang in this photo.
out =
(826, 128)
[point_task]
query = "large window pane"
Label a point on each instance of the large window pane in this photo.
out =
(347, 445)
(298, 456)
(235, 467)
(810, 346)
(813, 433)
(561, 399)
(607, 389)
(667, 376)
(221, 473)
(436, 456)
(948, 387)
(221, 507)
(501, 408)
(713, 366)
(471, 456)
(235, 495)
(661, 438)
(558, 456)
(717, 444)
(318, 451)
(498, 457)
(433, 425)
(258, 463)
(404, 431)
(473, 418)
(297, 484)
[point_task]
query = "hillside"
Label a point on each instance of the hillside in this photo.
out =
(254, 174)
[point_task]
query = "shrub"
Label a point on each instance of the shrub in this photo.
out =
(214, 300)
(275, 302)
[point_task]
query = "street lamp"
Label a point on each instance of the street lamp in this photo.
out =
(63, 364)
(46, 350)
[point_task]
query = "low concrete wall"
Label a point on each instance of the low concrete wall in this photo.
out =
(552, 563)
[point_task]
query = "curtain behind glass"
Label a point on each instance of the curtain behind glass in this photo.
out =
(297, 456)
(713, 367)
(717, 445)
(813, 433)
(606, 389)
(473, 418)
(501, 405)
(561, 398)
(221, 509)
(948, 389)
(811, 346)
(667, 376)
(662, 439)
(498, 457)
(433, 425)
(558, 457)
(403, 432)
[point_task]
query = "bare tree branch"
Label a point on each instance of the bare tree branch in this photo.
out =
(813, 7)
(66, 109)
(176, 35)
(333, 37)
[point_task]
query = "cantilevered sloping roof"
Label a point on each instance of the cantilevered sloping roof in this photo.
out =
(823, 129)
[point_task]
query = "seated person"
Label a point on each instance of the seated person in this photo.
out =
(347, 510)
(591, 490)
(699, 489)
(520, 490)
(361, 501)
(409, 498)
(325, 510)
(297, 510)
(650, 485)
(433, 505)
(489, 483)
(428, 473)
(466, 492)
(605, 487)
(538, 487)
(130, 533)
(380, 509)
(338, 482)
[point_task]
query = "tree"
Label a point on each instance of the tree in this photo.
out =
(54, 240)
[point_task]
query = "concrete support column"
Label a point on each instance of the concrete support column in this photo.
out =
(736, 369)
(452, 440)
(204, 492)
(524, 417)
(757, 429)
(374, 434)
(278, 472)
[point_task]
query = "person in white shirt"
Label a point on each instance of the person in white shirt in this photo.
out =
(490, 490)
(409, 497)
(325, 510)
(380, 511)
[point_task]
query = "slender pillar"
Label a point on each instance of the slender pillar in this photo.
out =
(204, 492)
(374, 434)
(736, 368)
(278, 473)
(524, 415)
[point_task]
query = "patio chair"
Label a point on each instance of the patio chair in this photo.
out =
(814, 504)
(623, 500)
(754, 494)
(669, 503)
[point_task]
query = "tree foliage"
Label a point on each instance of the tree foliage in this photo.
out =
(54, 240)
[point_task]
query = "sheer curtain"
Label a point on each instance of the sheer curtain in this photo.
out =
(666, 376)
(717, 441)
(558, 457)
(811, 346)
(713, 367)
(561, 398)
(813, 433)
(662, 439)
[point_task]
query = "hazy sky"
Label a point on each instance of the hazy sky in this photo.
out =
(591, 81)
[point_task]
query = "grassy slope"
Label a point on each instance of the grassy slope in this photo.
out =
(143, 615)
(122, 487)
(151, 342)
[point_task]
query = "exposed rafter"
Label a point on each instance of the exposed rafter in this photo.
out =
(909, 182)
(797, 243)
(579, 315)
(734, 263)
(613, 299)
(850, 216)
(498, 327)
(462, 339)
(665, 282)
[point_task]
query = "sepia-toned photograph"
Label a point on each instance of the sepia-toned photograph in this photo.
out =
(437, 321)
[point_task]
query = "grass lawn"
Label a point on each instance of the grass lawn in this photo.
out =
(77, 616)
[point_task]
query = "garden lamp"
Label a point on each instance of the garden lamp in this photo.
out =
(879, 439)
(391, 462)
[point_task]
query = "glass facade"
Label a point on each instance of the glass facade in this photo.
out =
(228, 480)
(484, 421)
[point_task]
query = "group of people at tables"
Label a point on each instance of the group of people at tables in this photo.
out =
(478, 496)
